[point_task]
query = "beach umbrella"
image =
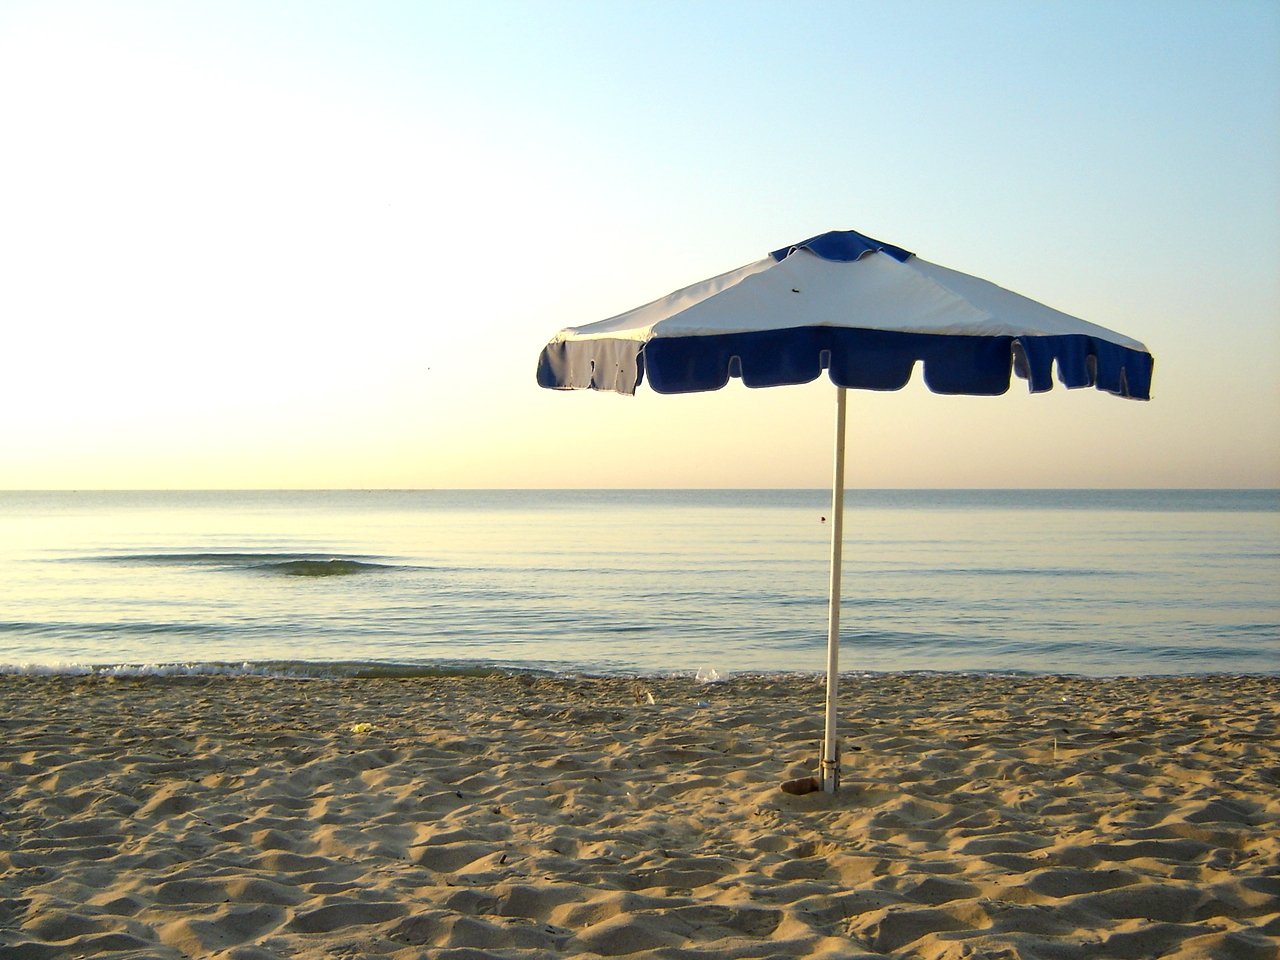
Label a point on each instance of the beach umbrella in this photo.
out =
(866, 312)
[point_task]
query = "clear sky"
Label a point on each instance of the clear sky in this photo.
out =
(312, 244)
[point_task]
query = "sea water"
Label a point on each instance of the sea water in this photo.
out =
(351, 582)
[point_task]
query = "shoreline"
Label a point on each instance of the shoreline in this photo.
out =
(399, 670)
(547, 816)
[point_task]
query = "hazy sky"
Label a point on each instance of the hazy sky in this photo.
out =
(321, 244)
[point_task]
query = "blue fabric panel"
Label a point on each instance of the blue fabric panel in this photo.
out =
(975, 366)
(690, 364)
(783, 356)
(843, 246)
(884, 360)
(1087, 362)
(879, 360)
(855, 358)
(1036, 356)
(1071, 355)
(1118, 374)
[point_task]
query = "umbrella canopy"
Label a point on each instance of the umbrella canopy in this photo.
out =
(865, 311)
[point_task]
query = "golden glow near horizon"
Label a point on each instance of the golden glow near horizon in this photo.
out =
(265, 246)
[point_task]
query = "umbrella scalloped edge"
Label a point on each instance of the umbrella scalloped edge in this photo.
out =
(853, 357)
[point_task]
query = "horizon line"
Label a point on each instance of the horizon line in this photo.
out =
(549, 489)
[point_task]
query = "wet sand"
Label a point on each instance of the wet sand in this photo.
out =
(525, 817)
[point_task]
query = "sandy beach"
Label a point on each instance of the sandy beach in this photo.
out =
(519, 816)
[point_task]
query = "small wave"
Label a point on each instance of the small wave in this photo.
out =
(192, 557)
(278, 669)
(993, 572)
(284, 564)
(138, 670)
(94, 628)
(333, 567)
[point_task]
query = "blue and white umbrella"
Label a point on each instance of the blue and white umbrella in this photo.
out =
(866, 312)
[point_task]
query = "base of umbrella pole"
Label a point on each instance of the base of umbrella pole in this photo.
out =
(829, 774)
(828, 779)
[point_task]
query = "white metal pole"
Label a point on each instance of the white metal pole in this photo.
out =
(830, 761)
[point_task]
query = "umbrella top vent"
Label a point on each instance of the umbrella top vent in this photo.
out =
(843, 246)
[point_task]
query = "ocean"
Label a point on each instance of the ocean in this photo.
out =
(339, 583)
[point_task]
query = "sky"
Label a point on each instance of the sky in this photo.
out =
(314, 245)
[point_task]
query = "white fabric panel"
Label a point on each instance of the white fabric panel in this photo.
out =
(638, 324)
(804, 290)
(876, 292)
(1011, 314)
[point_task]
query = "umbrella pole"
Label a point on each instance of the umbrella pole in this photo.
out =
(830, 761)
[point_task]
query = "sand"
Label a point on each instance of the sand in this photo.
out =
(985, 817)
